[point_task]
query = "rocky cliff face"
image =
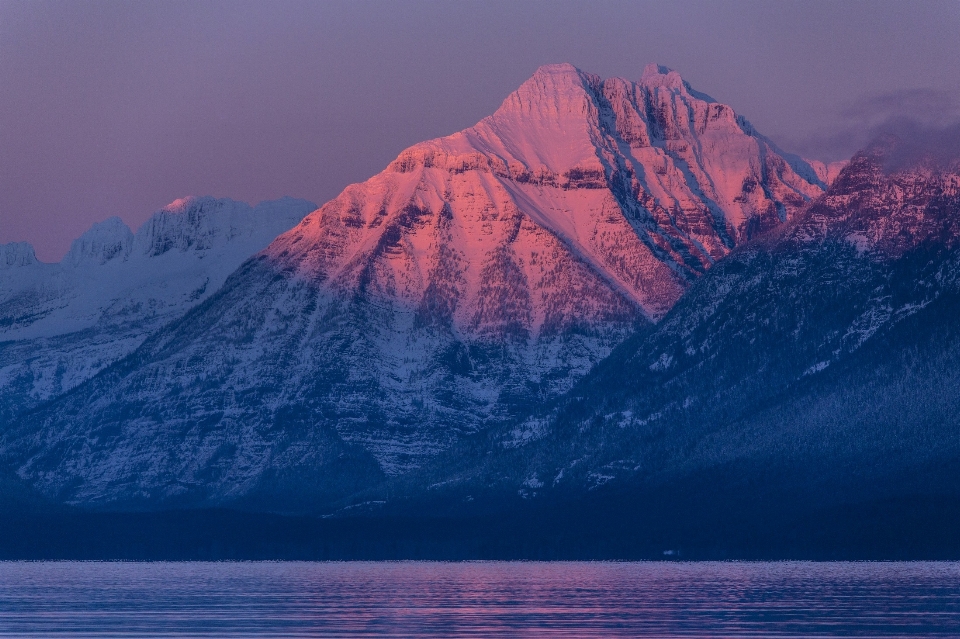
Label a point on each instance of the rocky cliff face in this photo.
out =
(478, 276)
(62, 323)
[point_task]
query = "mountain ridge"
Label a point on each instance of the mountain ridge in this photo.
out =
(61, 323)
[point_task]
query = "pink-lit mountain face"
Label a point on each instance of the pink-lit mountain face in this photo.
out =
(478, 276)
(886, 212)
(580, 200)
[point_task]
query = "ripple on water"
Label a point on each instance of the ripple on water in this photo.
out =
(478, 599)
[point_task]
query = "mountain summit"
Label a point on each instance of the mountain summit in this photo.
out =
(631, 188)
(479, 274)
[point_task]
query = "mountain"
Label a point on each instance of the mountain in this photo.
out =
(478, 276)
(814, 370)
(60, 324)
(16, 254)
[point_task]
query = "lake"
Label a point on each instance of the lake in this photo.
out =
(479, 599)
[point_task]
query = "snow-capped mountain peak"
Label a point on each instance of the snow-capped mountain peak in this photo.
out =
(16, 254)
(196, 223)
(636, 186)
(160, 270)
(657, 75)
(61, 323)
(104, 241)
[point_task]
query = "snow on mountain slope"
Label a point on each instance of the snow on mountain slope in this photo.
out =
(16, 254)
(480, 274)
(642, 184)
(104, 241)
(62, 323)
(820, 357)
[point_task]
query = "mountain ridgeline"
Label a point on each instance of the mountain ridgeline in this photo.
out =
(607, 292)
(60, 324)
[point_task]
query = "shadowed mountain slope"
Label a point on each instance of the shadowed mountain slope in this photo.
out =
(813, 368)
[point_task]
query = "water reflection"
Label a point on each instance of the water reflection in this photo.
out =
(410, 599)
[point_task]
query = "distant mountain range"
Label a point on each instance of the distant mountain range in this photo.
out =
(608, 291)
(60, 324)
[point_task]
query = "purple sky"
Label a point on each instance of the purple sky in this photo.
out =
(117, 108)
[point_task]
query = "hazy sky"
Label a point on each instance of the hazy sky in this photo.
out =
(117, 108)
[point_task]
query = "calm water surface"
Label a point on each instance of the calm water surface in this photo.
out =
(408, 599)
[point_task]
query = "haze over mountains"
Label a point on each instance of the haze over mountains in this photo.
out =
(605, 285)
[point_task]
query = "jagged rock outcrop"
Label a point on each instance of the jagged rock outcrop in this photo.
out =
(105, 241)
